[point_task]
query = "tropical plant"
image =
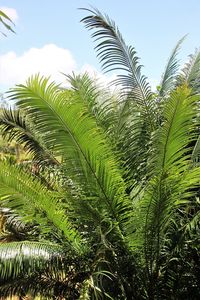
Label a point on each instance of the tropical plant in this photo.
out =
(113, 205)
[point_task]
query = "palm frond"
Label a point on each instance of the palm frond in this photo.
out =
(86, 89)
(169, 76)
(110, 114)
(196, 151)
(190, 74)
(178, 111)
(114, 54)
(16, 126)
(68, 130)
(26, 258)
(26, 196)
(134, 120)
(12, 228)
(38, 269)
(171, 174)
(102, 104)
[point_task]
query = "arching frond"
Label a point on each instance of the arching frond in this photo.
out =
(39, 269)
(69, 131)
(16, 126)
(26, 196)
(114, 54)
(171, 174)
(26, 258)
(102, 104)
(135, 119)
(86, 89)
(190, 73)
(169, 76)
(178, 115)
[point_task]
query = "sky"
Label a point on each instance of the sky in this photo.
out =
(50, 38)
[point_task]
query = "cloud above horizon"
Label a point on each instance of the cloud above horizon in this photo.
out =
(48, 60)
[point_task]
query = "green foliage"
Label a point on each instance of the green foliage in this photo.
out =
(110, 204)
(168, 77)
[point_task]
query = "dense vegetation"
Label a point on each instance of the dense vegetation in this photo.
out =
(108, 205)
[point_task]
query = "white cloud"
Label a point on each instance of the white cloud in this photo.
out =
(10, 12)
(48, 60)
(102, 79)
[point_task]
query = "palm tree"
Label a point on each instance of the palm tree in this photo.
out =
(113, 209)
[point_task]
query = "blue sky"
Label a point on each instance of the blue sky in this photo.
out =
(50, 38)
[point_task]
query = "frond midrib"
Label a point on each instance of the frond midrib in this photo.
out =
(68, 129)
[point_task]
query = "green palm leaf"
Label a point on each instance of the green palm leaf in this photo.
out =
(19, 258)
(86, 89)
(27, 197)
(114, 54)
(15, 126)
(12, 228)
(172, 177)
(134, 120)
(39, 269)
(69, 131)
(190, 73)
(169, 76)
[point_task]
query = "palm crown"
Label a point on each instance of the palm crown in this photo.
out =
(112, 210)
